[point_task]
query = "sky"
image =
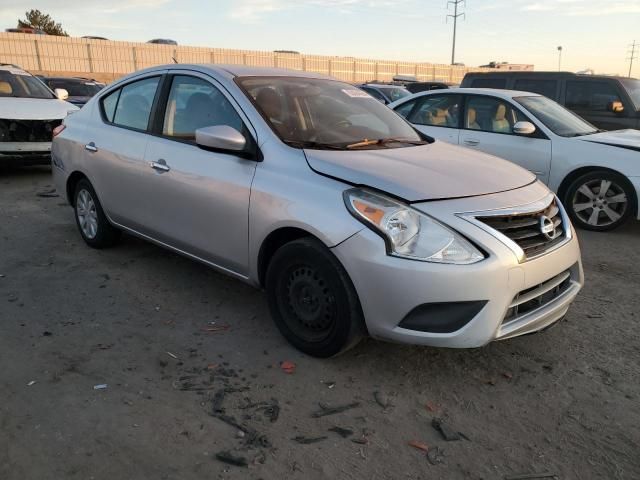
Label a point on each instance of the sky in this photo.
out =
(594, 34)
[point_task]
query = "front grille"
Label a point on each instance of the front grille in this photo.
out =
(27, 130)
(537, 296)
(526, 229)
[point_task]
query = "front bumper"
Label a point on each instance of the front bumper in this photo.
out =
(25, 153)
(391, 288)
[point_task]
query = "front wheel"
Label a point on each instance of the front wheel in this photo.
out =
(312, 299)
(600, 200)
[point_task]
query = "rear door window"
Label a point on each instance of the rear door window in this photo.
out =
(500, 83)
(548, 88)
(592, 96)
(405, 109)
(133, 106)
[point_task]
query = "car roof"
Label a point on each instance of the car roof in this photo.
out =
(232, 70)
(504, 94)
(525, 73)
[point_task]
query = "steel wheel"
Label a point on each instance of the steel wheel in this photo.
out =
(87, 214)
(600, 203)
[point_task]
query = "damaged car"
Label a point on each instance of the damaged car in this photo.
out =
(352, 221)
(29, 113)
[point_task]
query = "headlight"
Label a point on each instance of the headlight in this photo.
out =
(409, 233)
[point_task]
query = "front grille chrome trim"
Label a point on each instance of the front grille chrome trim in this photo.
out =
(531, 208)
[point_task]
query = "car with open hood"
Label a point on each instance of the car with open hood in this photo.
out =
(29, 112)
(352, 221)
(595, 173)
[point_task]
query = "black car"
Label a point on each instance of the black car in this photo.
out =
(385, 92)
(80, 89)
(415, 87)
(163, 41)
(609, 103)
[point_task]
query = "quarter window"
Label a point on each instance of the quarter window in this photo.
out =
(593, 96)
(130, 106)
(194, 103)
(490, 114)
(437, 111)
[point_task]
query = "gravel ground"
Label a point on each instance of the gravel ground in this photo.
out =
(192, 364)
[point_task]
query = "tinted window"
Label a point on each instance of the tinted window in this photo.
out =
(134, 105)
(75, 88)
(490, 114)
(548, 88)
(489, 83)
(194, 103)
(405, 108)
(558, 119)
(633, 89)
(109, 104)
(438, 111)
(594, 96)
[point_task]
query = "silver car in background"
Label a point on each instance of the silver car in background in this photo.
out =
(351, 220)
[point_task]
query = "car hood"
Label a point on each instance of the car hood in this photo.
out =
(618, 138)
(428, 172)
(34, 108)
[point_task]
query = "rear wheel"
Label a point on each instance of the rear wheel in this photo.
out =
(94, 227)
(312, 299)
(599, 200)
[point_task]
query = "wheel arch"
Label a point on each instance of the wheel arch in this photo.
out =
(273, 241)
(72, 181)
(573, 175)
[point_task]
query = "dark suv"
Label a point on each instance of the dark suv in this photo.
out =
(610, 103)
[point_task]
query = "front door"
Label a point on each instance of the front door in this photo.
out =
(198, 199)
(488, 126)
(592, 100)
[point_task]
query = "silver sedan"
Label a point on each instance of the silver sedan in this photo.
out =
(353, 221)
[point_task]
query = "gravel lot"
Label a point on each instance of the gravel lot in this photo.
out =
(564, 402)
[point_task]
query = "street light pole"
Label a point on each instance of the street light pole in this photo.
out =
(455, 16)
(559, 58)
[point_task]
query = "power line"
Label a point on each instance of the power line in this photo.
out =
(455, 16)
(633, 55)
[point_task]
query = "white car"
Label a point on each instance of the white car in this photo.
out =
(29, 112)
(595, 173)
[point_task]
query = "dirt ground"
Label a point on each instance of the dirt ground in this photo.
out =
(565, 402)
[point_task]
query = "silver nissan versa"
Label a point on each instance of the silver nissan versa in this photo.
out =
(352, 221)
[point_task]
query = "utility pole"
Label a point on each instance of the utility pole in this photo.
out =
(559, 58)
(455, 16)
(634, 55)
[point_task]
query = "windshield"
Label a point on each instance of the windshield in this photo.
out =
(16, 83)
(632, 86)
(396, 93)
(557, 118)
(75, 88)
(326, 114)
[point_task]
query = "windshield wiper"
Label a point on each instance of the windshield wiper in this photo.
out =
(384, 141)
(311, 144)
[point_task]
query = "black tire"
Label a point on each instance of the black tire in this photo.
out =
(598, 212)
(312, 299)
(106, 235)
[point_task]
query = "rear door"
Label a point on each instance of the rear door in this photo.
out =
(592, 98)
(488, 126)
(115, 148)
(436, 115)
(198, 199)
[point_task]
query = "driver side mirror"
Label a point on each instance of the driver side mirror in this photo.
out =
(221, 137)
(61, 93)
(524, 128)
(616, 107)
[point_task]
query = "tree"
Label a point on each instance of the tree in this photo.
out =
(37, 19)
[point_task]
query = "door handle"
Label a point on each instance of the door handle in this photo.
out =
(160, 166)
(91, 147)
(471, 142)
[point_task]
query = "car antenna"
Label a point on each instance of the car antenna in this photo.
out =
(174, 59)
